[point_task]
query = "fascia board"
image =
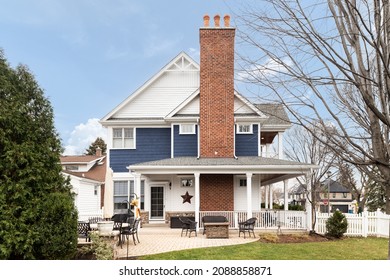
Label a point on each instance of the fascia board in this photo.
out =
(225, 169)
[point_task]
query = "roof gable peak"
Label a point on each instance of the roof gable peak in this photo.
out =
(182, 62)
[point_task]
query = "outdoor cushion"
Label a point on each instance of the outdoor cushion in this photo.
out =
(214, 219)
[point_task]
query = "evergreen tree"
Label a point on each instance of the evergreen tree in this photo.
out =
(30, 173)
(99, 142)
(336, 225)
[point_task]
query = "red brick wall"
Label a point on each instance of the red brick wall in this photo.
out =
(217, 92)
(216, 192)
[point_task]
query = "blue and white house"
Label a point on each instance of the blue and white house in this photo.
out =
(187, 143)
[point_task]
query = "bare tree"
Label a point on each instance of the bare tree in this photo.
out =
(302, 146)
(328, 62)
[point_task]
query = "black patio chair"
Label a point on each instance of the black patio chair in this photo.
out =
(83, 229)
(192, 228)
(185, 225)
(247, 226)
(130, 230)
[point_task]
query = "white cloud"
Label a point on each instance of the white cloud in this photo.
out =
(267, 69)
(83, 135)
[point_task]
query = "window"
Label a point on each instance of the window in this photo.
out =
(72, 167)
(345, 194)
(242, 182)
(187, 129)
(122, 190)
(95, 190)
(123, 138)
(334, 195)
(244, 128)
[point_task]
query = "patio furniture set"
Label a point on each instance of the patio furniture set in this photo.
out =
(120, 225)
(216, 226)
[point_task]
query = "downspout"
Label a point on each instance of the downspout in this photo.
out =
(234, 140)
(198, 132)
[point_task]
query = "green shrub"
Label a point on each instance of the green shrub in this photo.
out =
(336, 225)
(99, 249)
(57, 228)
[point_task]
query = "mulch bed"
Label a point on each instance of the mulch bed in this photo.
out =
(293, 238)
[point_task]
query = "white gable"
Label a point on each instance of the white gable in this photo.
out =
(192, 106)
(162, 93)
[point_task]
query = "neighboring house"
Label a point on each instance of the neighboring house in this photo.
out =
(87, 176)
(340, 198)
(186, 142)
(297, 195)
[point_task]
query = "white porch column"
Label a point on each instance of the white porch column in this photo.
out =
(285, 195)
(266, 196)
(197, 199)
(308, 206)
(271, 197)
(268, 150)
(280, 145)
(249, 195)
(260, 196)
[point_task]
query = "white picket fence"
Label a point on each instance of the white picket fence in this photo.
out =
(363, 224)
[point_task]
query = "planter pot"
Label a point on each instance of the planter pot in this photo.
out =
(105, 227)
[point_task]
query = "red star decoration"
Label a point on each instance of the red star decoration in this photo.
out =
(187, 197)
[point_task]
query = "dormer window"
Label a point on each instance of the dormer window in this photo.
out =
(244, 129)
(123, 138)
(72, 167)
(187, 129)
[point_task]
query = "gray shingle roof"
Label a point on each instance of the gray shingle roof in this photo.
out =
(276, 112)
(240, 161)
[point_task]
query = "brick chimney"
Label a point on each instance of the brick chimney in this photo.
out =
(217, 88)
(98, 151)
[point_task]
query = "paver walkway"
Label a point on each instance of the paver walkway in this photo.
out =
(159, 239)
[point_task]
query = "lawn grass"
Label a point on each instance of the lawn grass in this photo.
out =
(345, 249)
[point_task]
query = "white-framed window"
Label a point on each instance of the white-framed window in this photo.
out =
(122, 190)
(123, 137)
(187, 129)
(72, 167)
(244, 129)
(242, 183)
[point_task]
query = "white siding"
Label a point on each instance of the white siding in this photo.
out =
(162, 96)
(191, 108)
(241, 108)
(240, 194)
(86, 200)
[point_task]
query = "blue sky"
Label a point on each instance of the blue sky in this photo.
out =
(89, 55)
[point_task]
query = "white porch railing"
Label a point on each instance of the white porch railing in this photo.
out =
(363, 224)
(270, 219)
(84, 216)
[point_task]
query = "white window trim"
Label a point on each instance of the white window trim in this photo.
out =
(193, 130)
(123, 138)
(246, 132)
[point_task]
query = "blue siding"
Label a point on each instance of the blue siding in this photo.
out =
(247, 144)
(151, 144)
(185, 144)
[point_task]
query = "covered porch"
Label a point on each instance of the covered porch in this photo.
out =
(215, 188)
